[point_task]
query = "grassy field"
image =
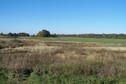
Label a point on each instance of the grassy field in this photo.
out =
(76, 39)
(62, 61)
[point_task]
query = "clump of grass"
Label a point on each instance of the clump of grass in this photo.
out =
(13, 43)
(2, 44)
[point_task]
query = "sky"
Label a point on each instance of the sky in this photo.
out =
(63, 16)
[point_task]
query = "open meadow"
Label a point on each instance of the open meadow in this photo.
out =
(62, 60)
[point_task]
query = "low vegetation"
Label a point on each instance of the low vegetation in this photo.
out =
(60, 62)
(76, 39)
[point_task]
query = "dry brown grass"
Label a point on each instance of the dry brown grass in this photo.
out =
(77, 58)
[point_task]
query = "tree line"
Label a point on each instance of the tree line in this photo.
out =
(42, 33)
(15, 34)
(110, 36)
(46, 33)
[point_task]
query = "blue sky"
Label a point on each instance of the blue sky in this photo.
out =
(63, 16)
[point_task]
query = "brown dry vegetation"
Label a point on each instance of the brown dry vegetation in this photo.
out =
(102, 61)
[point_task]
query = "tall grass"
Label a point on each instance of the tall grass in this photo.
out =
(63, 63)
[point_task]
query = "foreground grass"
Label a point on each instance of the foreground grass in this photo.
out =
(61, 63)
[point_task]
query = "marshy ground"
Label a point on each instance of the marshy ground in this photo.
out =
(29, 61)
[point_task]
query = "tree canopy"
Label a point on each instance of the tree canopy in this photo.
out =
(43, 33)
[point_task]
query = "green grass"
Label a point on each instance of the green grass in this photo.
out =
(4, 76)
(49, 78)
(77, 39)
(69, 79)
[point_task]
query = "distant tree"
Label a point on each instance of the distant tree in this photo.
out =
(53, 35)
(1, 34)
(40, 34)
(43, 33)
(10, 34)
(23, 34)
(14, 34)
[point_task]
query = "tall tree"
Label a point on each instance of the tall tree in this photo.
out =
(43, 33)
(46, 33)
